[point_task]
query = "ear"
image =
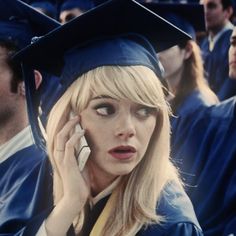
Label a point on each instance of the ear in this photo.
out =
(37, 78)
(21, 88)
(229, 12)
(188, 50)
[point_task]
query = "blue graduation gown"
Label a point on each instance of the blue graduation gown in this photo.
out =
(192, 103)
(177, 209)
(205, 149)
(24, 189)
(227, 90)
(216, 64)
(174, 205)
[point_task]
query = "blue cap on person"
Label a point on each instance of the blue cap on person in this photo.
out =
(125, 33)
(20, 23)
(84, 5)
(188, 16)
(46, 7)
(110, 22)
(71, 9)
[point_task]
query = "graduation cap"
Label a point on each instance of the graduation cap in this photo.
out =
(109, 19)
(117, 32)
(19, 22)
(188, 16)
(46, 7)
(84, 5)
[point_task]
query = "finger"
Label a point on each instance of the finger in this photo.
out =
(66, 161)
(70, 166)
(71, 147)
(63, 134)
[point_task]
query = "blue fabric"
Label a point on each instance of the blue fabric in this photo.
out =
(227, 90)
(216, 62)
(19, 22)
(81, 4)
(130, 49)
(48, 7)
(182, 23)
(205, 151)
(17, 32)
(176, 207)
(192, 103)
(24, 189)
(189, 16)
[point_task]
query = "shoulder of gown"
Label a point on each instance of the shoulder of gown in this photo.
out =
(178, 212)
(24, 189)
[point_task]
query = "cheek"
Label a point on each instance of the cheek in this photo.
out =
(96, 136)
(230, 53)
(218, 15)
(148, 128)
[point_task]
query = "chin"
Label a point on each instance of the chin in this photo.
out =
(232, 74)
(125, 170)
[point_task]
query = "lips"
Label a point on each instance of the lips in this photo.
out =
(122, 152)
(232, 63)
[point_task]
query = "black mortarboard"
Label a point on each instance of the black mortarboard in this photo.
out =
(118, 32)
(188, 16)
(111, 18)
(19, 22)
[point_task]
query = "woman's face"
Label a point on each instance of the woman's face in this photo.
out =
(232, 55)
(118, 133)
(172, 60)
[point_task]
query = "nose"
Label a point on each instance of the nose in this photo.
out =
(234, 50)
(125, 127)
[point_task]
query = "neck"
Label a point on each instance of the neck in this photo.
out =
(98, 180)
(173, 81)
(12, 125)
(214, 31)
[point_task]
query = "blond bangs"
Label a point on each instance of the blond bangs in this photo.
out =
(121, 82)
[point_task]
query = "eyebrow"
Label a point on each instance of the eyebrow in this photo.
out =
(102, 97)
(233, 37)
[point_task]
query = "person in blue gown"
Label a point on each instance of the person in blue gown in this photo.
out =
(229, 86)
(23, 165)
(184, 72)
(69, 9)
(110, 85)
(215, 46)
(205, 152)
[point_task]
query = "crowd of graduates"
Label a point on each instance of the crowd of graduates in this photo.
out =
(198, 76)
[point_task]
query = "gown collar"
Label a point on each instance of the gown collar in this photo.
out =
(20, 141)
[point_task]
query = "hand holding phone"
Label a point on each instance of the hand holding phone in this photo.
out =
(83, 151)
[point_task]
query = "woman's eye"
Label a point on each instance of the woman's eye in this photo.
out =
(105, 109)
(146, 111)
(233, 43)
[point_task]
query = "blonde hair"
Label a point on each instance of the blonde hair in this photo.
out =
(139, 191)
(192, 77)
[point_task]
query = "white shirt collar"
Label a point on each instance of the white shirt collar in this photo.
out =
(20, 141)
(104, 193)
(213, 40)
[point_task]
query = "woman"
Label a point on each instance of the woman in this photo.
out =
(110, 86)
(185, 78)
(128, 136)
(183, 64)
